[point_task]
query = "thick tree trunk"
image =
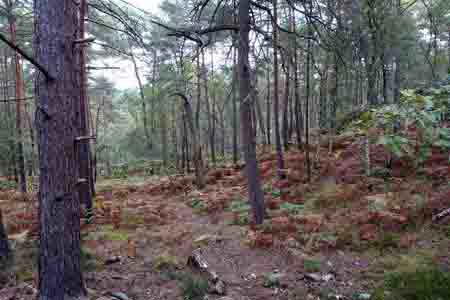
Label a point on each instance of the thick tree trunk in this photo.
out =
(56, 24)
(276, 105)
(256, 196)
(19, 95)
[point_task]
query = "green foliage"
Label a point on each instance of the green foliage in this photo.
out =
(271, 280)
(120, 171)
(241, 209)
(165, 261)
(424, 283)
(312, 265)
(292, 209)
(385, 241)
(197, 204)
(193, 287)
(419, 112)
(88, 261)
(7, 185)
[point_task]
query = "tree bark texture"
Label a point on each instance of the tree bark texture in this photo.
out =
(58, 118)
(256, 196)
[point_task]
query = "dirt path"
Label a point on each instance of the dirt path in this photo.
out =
(171, 230)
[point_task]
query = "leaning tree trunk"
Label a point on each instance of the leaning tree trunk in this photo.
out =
(256, 196)
(4, 247)
(57, 100)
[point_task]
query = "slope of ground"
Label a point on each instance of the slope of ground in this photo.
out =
(333, 238)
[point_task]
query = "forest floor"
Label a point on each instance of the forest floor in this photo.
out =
(337, 237)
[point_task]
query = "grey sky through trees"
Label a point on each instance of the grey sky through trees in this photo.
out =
(124, 78)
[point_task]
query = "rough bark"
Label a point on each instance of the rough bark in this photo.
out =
(56, 23)
(256, 197)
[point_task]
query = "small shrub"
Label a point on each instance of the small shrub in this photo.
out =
(312, 265)
(241, 212)
(197, 205)
(298, 293)
(165, 261)
(276, 194)
(116, 236)
(7, 185)
(424, 283)
(292, 209)
(271, 280)
(193, 288)
(386, 241)
(88, 261)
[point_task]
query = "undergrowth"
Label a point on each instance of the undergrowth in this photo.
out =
(193, 287)
(427, 282)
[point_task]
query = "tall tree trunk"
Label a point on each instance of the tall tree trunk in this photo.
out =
(86, 189)
(323, 99)
(448, 51)
(32, 160)
(195, 136)
(209, 111)
(234, 107)
(164, 138)
(276, 105)
(199, 90)
(285, 124)
(256, 196)
(56, 26)
(334, 94)
(19, 95)
(144, 104)
(268, 109)
(308, 95)
(298, 105)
